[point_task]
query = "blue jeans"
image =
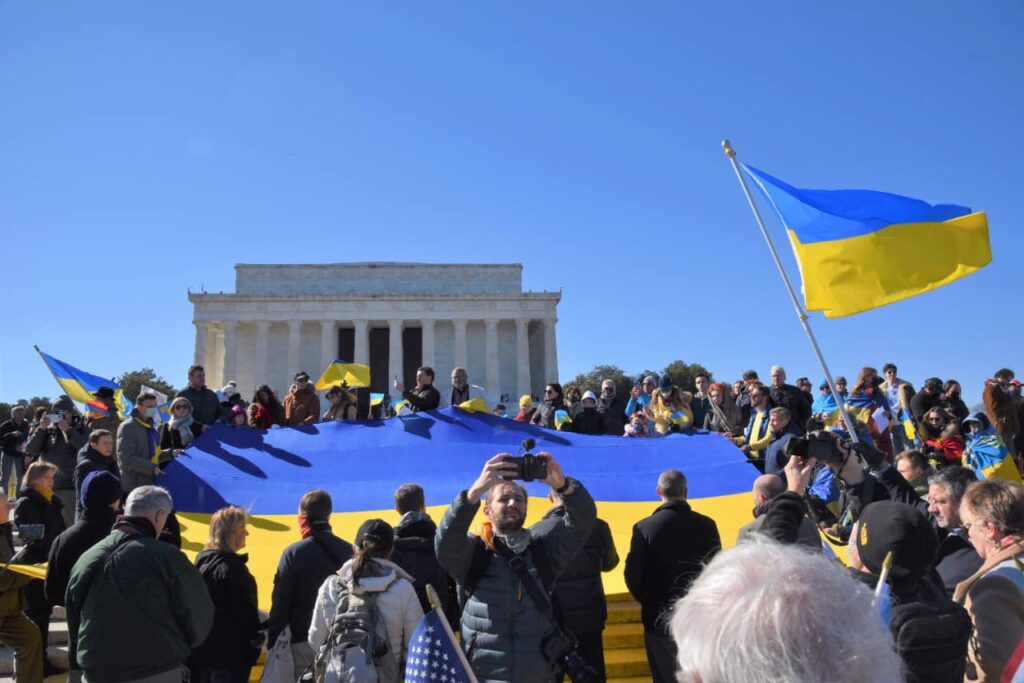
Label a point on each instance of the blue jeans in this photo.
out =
(900, 442)
(8, 463)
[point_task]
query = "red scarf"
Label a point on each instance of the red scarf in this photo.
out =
(304, 528)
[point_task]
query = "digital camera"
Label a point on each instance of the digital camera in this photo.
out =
(820, 445)
(529, 467)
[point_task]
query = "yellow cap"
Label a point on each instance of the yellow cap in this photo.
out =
(525, 401)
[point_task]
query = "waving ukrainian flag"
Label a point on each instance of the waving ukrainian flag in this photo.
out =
(860, 249)
(80, 385)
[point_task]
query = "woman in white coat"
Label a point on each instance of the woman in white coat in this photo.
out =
(372, 577)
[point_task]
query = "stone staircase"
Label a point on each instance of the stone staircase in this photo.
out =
(624, 655)
(625, 658)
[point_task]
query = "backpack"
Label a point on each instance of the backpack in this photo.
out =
(931, 639)
(356, 650)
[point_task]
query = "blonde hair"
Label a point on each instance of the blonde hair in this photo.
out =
(996, 501)
(37, 471)
(225, 523)
(181, 401)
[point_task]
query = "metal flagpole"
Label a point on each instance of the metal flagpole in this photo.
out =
(800, 312)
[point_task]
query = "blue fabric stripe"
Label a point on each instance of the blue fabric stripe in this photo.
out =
(89, 382)
(362, 463)
(825, 215)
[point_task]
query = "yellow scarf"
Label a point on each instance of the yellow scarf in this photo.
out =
(45, 493)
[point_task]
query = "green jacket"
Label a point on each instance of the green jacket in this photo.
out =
(137, 614)
(10, 582)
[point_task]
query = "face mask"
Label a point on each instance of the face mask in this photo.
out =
(151, 412)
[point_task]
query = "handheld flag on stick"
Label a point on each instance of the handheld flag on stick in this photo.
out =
(883, 591)
(80, 385)
(562, 420)
(338, 372)
(433, 653)
(861, 249)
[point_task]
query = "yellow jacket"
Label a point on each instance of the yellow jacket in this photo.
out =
(661, 411)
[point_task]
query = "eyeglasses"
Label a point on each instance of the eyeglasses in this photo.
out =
(302, 381)
(549, 391)
(177, 408)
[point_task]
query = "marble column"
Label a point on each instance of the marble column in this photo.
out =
(361, 350)
(550, 352)
(230, 351)
(523, 357)
(395, 351)
(259, 371)
(491, 349)
(460, 344)
(294, 334)
(328, 344)
(215, 370)
(199, 358)
(428, 343)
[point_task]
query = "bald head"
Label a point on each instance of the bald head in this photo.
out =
(767, 486)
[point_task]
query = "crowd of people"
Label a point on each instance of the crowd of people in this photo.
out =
(894, 482)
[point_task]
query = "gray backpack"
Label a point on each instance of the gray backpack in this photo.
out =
(356, 650)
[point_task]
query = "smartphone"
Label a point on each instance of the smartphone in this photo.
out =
(54, 418)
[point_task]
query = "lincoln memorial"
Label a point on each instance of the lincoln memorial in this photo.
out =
(393, 317)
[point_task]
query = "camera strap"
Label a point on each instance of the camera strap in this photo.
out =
(532, 583)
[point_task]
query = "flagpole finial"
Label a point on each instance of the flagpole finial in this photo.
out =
(727, 146)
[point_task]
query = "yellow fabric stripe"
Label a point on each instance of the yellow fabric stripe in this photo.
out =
(848, 276)
(270, 534)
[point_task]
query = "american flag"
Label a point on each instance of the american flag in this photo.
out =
(434, 656)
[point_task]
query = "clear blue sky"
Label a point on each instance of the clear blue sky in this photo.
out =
(145, 148)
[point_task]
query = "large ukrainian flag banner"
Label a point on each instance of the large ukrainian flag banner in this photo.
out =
(362, 463)
(860, 249)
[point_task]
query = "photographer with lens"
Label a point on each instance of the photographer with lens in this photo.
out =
(511, 631)
(858, 488)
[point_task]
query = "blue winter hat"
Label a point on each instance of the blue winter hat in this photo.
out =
(99, 490)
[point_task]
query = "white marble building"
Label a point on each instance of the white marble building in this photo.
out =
(393, 317)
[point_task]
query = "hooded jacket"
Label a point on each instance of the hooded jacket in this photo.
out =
(588, 421)
(301, 407)
(234, 642)
(414, 552)
(396, 602)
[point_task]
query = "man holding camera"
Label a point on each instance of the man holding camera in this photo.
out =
(509, 628)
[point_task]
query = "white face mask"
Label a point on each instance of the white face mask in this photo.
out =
(151, 412)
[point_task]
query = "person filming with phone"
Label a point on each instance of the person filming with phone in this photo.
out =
(511, 631)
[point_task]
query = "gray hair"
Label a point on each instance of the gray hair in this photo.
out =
(148, 500)
(766, 611)
(672, 484)
(781, 413)
(955, 480)
(780, 369)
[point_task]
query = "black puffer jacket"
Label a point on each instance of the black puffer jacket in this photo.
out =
(579, 589)
(234, 641)
(33, 508)
(303, 568)
(588, 421)
(789, 397)
(414, 552)
(614, 413)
